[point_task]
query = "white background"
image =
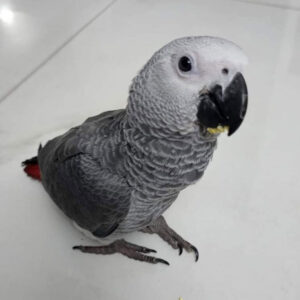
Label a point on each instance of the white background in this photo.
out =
(63, 61)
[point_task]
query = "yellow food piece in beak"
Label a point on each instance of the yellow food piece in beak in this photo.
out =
(218, 129)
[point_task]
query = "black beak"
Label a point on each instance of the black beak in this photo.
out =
(227, 109)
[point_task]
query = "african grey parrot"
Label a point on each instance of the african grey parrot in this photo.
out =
(120, 170)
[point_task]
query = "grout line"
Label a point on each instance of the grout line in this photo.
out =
(56, 51)
(281, 6)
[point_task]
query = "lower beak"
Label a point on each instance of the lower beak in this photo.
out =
(228, 109)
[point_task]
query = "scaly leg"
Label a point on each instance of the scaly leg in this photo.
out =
(161, 228)
(121, 246)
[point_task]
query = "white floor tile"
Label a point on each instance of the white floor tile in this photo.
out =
(281, 4)
(30, 31)
(244, 214)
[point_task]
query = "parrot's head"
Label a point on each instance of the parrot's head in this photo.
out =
(192, 82)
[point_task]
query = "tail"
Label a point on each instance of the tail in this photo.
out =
(31, 168)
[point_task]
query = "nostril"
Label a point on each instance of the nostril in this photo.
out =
(225, 71)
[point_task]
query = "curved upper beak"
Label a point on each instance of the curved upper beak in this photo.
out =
(224, 109)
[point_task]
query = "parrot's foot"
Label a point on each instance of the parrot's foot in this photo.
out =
(161, 228)
(121, 246)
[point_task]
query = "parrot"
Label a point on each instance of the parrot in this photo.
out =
(120, 170)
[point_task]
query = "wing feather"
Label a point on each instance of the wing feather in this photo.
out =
(80, 174)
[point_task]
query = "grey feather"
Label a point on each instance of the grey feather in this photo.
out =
(120, 170)
(105, 174)
(84, 184)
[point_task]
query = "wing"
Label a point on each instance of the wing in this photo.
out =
(80, 172)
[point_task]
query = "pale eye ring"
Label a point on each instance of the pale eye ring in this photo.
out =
(185, 64)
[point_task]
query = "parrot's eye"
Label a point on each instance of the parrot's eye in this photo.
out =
(184, 64)
(225, 71)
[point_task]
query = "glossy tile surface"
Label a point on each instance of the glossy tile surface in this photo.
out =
(31, 32)
(244, 215)
(282, 4)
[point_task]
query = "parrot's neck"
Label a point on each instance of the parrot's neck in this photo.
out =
(178, 158)
(161, 121)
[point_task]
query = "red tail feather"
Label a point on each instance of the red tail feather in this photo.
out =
(33, 171)
(32, 168)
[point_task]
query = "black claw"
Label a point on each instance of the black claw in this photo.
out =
(196, 252)
(76, 247)
(180, 249)
(148, 250)
(159, 260)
